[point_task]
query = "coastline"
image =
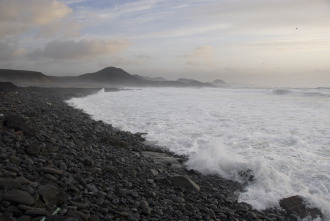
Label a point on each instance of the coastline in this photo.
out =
(99, 172)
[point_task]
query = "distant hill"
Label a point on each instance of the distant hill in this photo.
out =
(219, 83)
(111, 75)
(24, 78)
(149, 78)
(195, 83)
(107, 77)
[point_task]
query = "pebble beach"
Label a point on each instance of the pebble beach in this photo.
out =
(56, 163)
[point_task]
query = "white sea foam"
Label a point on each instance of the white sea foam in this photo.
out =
(282, 136)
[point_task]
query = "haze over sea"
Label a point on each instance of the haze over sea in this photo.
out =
(281, 136)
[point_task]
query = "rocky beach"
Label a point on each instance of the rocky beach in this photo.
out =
(57, 163)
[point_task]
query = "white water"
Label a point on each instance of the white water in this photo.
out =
(282, 135)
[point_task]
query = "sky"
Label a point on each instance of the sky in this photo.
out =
(278, 43)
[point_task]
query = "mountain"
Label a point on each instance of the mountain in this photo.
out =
(24, 78)
(111, 75)
(107, 77)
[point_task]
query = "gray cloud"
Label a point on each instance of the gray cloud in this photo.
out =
(8, 53)
(74, 50)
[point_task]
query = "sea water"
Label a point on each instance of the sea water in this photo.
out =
(280, 136)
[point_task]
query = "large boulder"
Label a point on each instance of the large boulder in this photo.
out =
(18, 124)
(52, 195)
(296, 206)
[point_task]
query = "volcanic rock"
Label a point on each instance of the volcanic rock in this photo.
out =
(33, 149)
(52, 195)
(50, 170)
(296, 206)
(9, 183)
(18, 124)
(18, 196)
(186, 182)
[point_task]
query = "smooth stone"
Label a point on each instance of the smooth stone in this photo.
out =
(186, 182)
(146, 210)
(18, 196)
(162, 158)
(37, 212)
(33, 149)
(211, 213)
(94, 218)
(50, 170)
(128, 184)
(79, 205)
(52, 147)
(18, 124)
(99, 201)
(154, 172)
(24, 218)
(9, 183)
(52, 195)
(14, 159)
(110, 169)
(24, 207)
(150, 181)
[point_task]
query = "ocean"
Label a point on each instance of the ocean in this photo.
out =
(281, 137)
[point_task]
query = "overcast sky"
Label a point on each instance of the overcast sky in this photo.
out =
(254, 42)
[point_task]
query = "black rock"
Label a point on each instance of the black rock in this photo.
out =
(52, 195)
(18, 124)
(296, 206)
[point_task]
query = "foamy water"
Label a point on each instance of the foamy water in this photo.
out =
(281, 135)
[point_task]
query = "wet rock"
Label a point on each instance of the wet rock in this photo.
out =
(50, 170)
(18, 124)
(150, 181)
(52, 147)
(128, 184)
(247, 175)
(79, 205)
(94, 218)
(186, 182)
(114, 141)
(189, 206)
(162, 158)
(33, 149)
(52, 195)
(14, 159)
(37, 212)
(296, 206)
(154, 172)
(18, 196)
(9, 183)
(146, 210)
(55, 218)
(110, 169)
(23, 218)
(211, 213)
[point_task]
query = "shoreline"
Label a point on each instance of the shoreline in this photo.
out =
(62, 160)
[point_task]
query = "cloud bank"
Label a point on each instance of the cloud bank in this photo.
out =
(74, 50)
